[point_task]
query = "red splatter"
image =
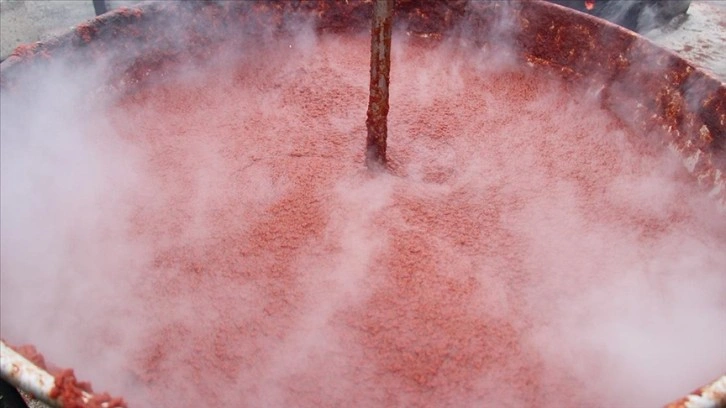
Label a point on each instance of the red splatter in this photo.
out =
(31, 353)
(130, 12)
(25, 50)
(87, 31)
(72, 393)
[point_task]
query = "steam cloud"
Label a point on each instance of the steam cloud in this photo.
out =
(66, 255)
(214, 238)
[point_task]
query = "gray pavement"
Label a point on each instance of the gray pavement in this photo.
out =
(27, 21)
(699, 37)
(30, 21)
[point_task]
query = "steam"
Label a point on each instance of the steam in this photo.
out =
(66, 258)
(643, 305)
(214, 239)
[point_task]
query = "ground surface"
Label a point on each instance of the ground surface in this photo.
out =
(699, 37)
(25, 21)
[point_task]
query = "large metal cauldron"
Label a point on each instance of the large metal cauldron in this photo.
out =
(645, 86)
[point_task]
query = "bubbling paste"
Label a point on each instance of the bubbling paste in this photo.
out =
(483, 269)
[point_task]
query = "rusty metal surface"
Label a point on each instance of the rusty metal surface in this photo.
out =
(26, 376)
(648, 88)
(710, 396)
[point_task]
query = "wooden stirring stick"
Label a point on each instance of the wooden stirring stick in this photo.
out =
(376, 122)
